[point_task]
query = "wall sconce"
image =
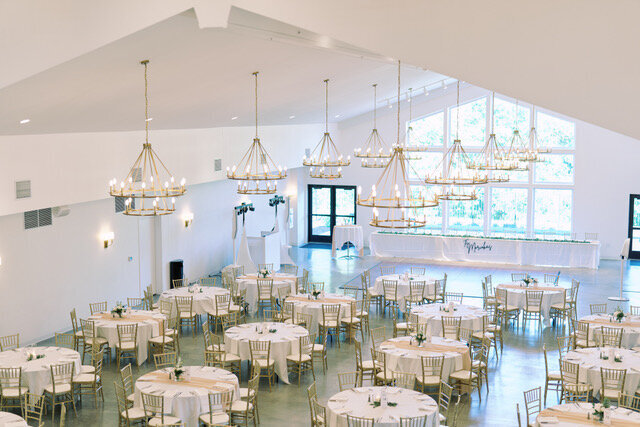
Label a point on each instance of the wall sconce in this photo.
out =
(188, 219)
(107, 238)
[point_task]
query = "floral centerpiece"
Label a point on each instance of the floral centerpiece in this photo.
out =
(448, 308)
(264, 273)
(178, 370)
(618, 315)
(599, 408)
(118, 310)
(315, 293)
(420, 338)
(33, 356)
(529, 281)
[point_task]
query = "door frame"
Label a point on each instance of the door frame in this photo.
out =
(332, 212)
(634, 253)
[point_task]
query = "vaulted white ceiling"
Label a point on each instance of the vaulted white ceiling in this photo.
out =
(202, 78)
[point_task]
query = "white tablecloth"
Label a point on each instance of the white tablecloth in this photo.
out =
(585, 410)
(202, 301)
(355, 402)
(431, 314)
(250, 283)
(630, 332)
(314, 307)
(12, 420)
(486, 250)
(347, 233)
(590, 364)
(518, 297)
(284, 342)
(183, 399)
(404, 288)
(148, 328)
(36, 374)
(406, 360)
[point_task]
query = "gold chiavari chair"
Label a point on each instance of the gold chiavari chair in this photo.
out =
(319, 414)
(98, 307)
(570, 378)
(469, 378)
(154, 411)
(64, 340)
(439, 289)
(363, 312)
(180, 283)
(444, 402)
(163, 343)
(518, 277)
(385, 270)
(349, 380)
(417, 271)
(581, 334)
(268, 267)
(126, 378)
(364, 367)
(223, 360)
(186, 315)
(265, 293)
(374, 296)
(608, 337)
(261, 355)
(127, 414)
(431, 372)
(219, 409)
(238, 271)
(455, 297)
(330, 324)
(289, 269)
(351, 291)
(60, 391)
(91, 339)
(613, 381)
(532, 404)
(551, 278)
(33, 408)
(221, 307)
(315, 286)
(404, 380)
(11, 390)
(532, 308)
(416, 291)
(553, 379)
(166, 307)
(303, 361)
(9, 342)
(390, 295)
(351, 323)
(312, 393)
(629, 401)
(634, 310)
(244, 411)
(598, 308)
(319, 352)
(165, 360)
(384, 375)
(302, 319)
(578, 393)
(399, 328)
(418, 421)
(78, 337)
(136, 303)
(91, 383)
(506, 311)
(450, 325)
(353, 421)
(573, 294)
(465, 335)
(127, 345)
(209, 281)
(378, 336)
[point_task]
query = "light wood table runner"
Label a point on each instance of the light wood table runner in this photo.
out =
(131, 318)
(580, 418)
(196, 382)
(322, 300)
(614, 324)
(532, 288)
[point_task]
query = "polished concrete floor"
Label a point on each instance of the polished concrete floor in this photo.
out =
(519, 367)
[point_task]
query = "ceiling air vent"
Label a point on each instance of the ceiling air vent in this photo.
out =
(217, 165)
(120, 204)
(137, 175)
(307, 152)
(38, 218)
(23, 189)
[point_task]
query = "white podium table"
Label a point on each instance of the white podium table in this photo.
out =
(265, 249)
(347, 233)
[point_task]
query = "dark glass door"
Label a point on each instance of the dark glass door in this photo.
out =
(634, 226)
(330, 205)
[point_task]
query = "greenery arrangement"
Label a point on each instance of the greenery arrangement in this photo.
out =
(32, 356)
(598, 409)
(424, 232)
(315, 293)
(618, 314)
(178, 369)
(118, 309)
(264, 273)
(420, 338)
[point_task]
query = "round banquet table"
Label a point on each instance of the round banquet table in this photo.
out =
(189, 398)
(630, 328)
(314, 307)
(405, 357)
(250, 283)
(404, 288)
(517, 296)
(36, 374)
(12, 420)
(355, 402)
(590, 364)
(577, 414)
(432, 315)
(284, 342)
(149, 326)
(202, 301)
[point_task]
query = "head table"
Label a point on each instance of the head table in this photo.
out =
(189, 398)
(36, 373)
(355, 402)
(581, 414)
(284, 342)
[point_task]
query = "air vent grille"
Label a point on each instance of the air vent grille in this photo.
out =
(38, 218)
(23, 189)
(119, 201)
(137, 175)
(217, 165)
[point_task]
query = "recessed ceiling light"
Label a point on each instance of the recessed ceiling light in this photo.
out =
(22, 122)
(234, 117)
(292, 117)
(149, 119)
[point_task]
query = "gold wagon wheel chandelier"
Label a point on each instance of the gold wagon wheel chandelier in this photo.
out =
(408, 144)
(458, 182)
(149, 189)
(256, 171)
(393, 194)
(519, 149)
(534, 143)
(374, 154)
(492, 155)
(325, 159)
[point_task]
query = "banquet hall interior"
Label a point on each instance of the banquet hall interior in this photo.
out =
(319, 213)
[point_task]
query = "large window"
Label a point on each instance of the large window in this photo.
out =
(534, 203)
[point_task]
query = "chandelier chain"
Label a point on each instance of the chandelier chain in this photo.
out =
(410, 106)
(458, 109)
(146, 101)
(375, 105)
(326, 105)
(255, 74)
(398, 115)
(493, 109)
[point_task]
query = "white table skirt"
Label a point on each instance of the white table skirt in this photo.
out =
(182, 400)
(486, 250)
(585, 409)
(314, 308)
(590, 364)
(280, 280)
(202, 301)
(518, 297)
(404, 288)
(108, 329)
(432, 316)
(347, 233)
(284, 342)
(630, 334)
(7, 419)
(36, 374)
(405, 360)
(355, 402)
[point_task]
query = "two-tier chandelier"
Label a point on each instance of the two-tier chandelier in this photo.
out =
(325, 159)
(519, 149)
(149, 189)
(256, 172)
(395, 203)
(408, 144)
(375, 153)
(534, 143)
(458, 182)
(493, 154)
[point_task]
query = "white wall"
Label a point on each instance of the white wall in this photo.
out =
(605, 165)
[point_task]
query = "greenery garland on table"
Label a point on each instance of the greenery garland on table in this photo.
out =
(470, 236)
